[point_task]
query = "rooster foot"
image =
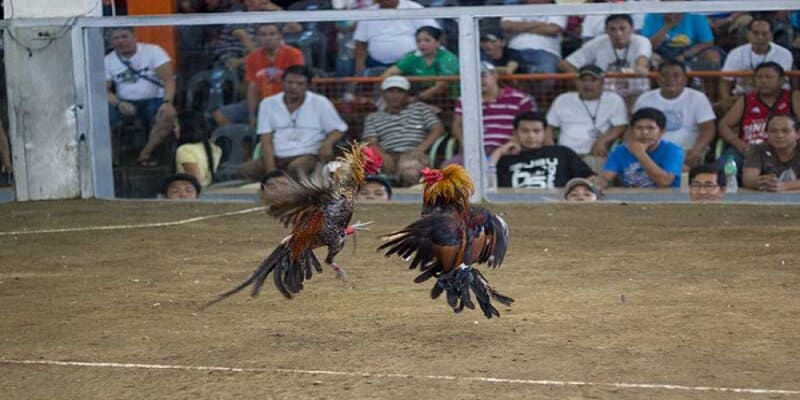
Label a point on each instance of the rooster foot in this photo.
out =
(341, 275)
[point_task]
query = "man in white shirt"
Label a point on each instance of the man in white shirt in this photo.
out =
(589, 120)
(618, 50)
(759, 49)
(381, 43)
(537, 39)
(691, 122)
(297, 128)
(140, 83)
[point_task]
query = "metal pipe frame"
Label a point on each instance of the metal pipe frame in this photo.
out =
(91, 101)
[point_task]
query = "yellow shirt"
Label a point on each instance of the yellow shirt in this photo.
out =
(195, 153)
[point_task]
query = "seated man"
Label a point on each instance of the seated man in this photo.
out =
(760, 48)
(140, 82)
(745, 123)
(618, 50)
(181, 187)
(526, 161)
(297, 128)
(683, 37)
(505, 60)
(645, 160)
(706, 183)
(537, 39)
(375, 190)
(691, 122)
(402, 131)
(589, 120)
(774, 166)
(500, 106)
(263, 75)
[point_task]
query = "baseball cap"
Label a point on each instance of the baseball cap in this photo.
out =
(592, 70)
(395, 81)
(582, 182)
(487, 67)
(491, 37)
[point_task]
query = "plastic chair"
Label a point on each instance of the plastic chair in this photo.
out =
(212, 83)
(233, 139)
(450, 144)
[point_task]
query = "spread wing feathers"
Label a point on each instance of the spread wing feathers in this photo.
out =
(290, 203)
(288, 274)
(460, 282)
(492, 240)
(436, 243)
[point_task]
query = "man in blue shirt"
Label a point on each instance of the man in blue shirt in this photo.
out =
(682, 37)
(644, 160)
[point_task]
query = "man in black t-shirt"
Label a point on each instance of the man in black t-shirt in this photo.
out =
(526, 162)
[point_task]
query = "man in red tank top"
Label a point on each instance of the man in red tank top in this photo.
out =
(744, 125)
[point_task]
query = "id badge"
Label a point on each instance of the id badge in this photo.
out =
(595, 133)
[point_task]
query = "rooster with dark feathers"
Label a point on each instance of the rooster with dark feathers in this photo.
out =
(449, 238)
(319, 210)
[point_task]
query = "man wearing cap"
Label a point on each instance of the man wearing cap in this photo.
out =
(500, 106)
(504, 59)
(589, 120)
(581, 190)
(402, 131)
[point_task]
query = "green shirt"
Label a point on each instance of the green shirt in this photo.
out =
(444, 63)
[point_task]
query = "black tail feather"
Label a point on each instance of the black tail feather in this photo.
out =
(288, 275)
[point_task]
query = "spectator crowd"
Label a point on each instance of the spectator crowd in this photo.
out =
(629, 110)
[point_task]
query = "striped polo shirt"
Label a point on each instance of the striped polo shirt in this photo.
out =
(403, 131)
(498, 116)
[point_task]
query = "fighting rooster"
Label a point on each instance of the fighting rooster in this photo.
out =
(319, 210)
(450, 236)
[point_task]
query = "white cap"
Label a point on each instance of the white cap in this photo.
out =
(395, 81)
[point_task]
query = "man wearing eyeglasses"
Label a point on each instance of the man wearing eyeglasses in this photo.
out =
(706, 183)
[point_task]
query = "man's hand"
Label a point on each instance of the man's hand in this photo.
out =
(636, 147)
(126, 108)
(599, 149)
(693, 157)
(326, 153)
(6, 167)
(233, 63)
(769, 183)
(511, 147)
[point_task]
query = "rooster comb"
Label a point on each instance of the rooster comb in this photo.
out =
(450, 185)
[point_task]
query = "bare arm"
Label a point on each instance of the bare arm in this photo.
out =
(360, 54)
(705, 136)
(508, 69)
(565, 66)
(326, 149)
(393, 70)
(436, 131)
(603, 143)
(166, 76)
(440, 87)
(750, 178)
(604, 178)
(252, 101)
(268, 152)
(112, 98)
(662, 33)
(726, 125)
(725, 90)
(245, 38)
(456, 129)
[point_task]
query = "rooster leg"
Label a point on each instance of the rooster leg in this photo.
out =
(340, 273)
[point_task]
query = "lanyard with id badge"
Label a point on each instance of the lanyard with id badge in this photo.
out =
(595, 132)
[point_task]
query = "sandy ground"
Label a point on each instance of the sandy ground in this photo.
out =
(698, 296)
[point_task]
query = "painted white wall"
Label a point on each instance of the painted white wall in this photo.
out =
(51, 8)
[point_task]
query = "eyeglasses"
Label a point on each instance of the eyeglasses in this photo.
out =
(700, 186)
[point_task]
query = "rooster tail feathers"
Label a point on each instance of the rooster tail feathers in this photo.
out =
(287, 274)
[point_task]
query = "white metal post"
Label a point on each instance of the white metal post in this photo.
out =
(471, 102)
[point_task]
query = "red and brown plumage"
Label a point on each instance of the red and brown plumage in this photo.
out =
(319, 210)
(449, 238)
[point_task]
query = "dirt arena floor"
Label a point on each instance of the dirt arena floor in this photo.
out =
(613, 301)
